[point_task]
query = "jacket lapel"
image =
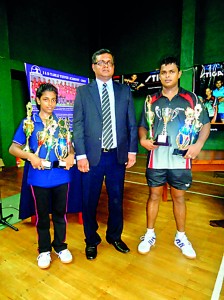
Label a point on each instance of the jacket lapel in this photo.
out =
(93, 89)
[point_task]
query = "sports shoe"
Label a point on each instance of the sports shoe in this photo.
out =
(65, 256)
(44, 259)
(147, 241)
(185, 246)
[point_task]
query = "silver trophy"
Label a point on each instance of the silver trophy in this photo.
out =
(167, 114)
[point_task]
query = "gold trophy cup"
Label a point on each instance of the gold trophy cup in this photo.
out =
(150, 115)
(28, 126)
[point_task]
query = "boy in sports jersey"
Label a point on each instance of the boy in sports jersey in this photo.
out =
(163, 166)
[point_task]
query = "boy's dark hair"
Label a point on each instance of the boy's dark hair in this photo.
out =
(43, 88)
(219, 78)
(99, 52)
(170, 60)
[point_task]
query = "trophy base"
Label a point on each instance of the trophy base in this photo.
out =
(179, 152)
(46, 164)
(161, 144)
(61, 164)
(162, 140)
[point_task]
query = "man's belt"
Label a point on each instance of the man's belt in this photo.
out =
(108, 150)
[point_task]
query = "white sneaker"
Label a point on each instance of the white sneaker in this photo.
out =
(185, 246)
(147, 241)
(65, 256)
(44, 259)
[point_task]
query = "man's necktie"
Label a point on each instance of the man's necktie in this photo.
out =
(107, 123)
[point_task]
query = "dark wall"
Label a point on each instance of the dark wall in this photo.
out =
(42, 33)
(141, 36)
(60, 37)
(48, 34)
(20, 95)
(209, 33)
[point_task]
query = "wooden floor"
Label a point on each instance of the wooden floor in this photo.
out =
(162, 274)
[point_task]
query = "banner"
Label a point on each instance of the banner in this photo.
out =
(208, 85)
(141, 83)
(66, 84)
(206, 75)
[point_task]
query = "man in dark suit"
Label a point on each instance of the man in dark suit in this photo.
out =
(99, 161)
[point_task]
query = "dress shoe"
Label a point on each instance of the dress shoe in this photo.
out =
(120, 246)
(91, 252)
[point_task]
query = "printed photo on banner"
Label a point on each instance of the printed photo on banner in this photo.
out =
(209, 86)
(66, 84)
(141, 83)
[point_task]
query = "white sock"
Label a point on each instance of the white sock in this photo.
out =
(150, 231)
(180, 234)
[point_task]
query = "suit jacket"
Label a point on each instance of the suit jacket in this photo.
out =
(88, 122)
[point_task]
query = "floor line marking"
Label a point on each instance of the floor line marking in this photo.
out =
(219, 282)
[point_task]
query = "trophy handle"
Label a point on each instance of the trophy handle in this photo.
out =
(174, 113)
(158, 112)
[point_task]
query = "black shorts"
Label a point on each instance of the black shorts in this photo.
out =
(180, 179)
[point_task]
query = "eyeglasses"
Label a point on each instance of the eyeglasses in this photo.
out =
(104, 63)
